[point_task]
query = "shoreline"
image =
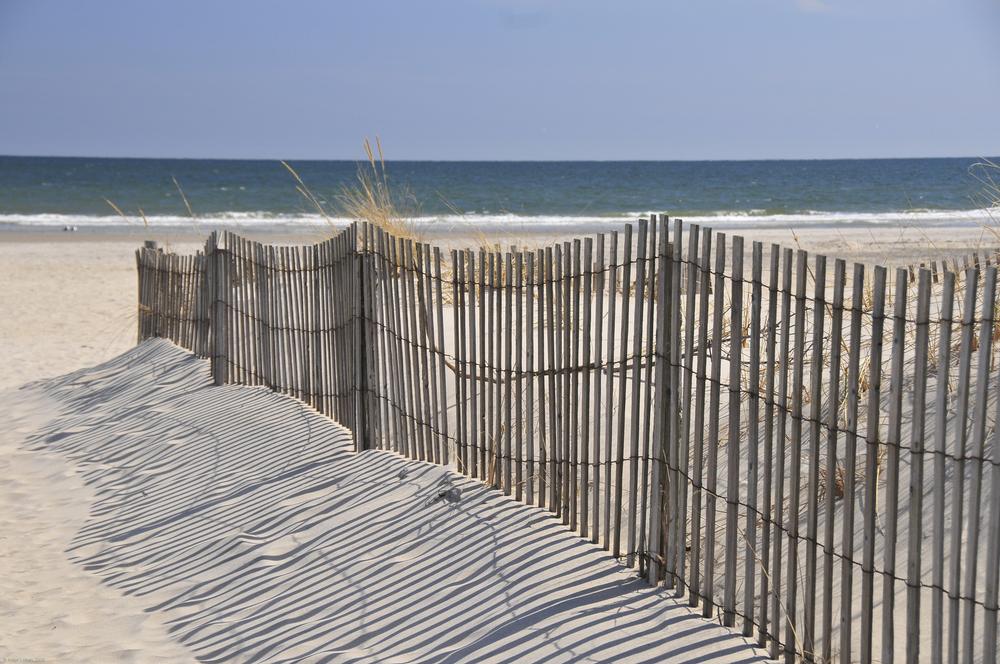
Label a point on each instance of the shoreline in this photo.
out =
(877, 244)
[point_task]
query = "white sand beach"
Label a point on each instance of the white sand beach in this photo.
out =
(149, 517)
(51, 608)
(240, 523)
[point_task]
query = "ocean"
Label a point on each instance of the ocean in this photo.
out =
(46, 193)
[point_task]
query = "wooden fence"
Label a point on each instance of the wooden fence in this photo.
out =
(804, 448)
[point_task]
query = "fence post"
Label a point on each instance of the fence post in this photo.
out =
(141, 307)
(360, 353)
(218, 314)
(370, 335)
(735, 410)
(657, 536)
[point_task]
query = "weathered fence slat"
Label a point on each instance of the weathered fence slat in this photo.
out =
(649, 300)
(958, 478)
(564, 313)
(609, 377)
(656, 523)
(541, 335)
(218, 309)
(429, 342)
(573, 378)
(599, 286)
(916, 489)
(622, 383)
(765, 632)
(552, 395)
(518, 333)
(499, 368)
(405, 370)
(585, 399)
(708, 593)
(992, 581)
(751, 558)
(506, 371)
(833, 426)
(470, 372)
(669, 427)
(780, 616)
(482, 446)
(733, 425)
(812, 497)
(871, 465)
(893, 440)
(850, 461)
(975, 460)
(313, 305)
(793, 630)
(459, 289)
(531, 481)
(495, 362)
(695, 593)
(686, 369)
(634, 429)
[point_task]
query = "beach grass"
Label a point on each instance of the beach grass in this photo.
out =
(369, 198)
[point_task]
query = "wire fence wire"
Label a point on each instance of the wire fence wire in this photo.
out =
(803, 448)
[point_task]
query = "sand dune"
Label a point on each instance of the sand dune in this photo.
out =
(51, 609)
(234, 524)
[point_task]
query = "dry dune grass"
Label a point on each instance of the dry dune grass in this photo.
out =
(370, 198)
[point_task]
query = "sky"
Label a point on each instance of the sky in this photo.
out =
(501, 79)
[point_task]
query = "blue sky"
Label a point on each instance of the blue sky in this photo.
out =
(501, 79)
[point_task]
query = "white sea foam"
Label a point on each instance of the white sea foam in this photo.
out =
(974, 217)
(513, 222)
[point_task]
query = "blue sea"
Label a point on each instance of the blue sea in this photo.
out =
(51, 193)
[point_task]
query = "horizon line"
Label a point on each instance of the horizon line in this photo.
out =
(497, 161)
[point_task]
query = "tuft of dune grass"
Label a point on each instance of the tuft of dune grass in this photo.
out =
(371, 199)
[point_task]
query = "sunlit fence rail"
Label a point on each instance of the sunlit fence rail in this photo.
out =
(803, 447)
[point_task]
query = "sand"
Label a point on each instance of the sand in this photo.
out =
(138, 527)
(65, 305)
(52, 609)
(246, 528)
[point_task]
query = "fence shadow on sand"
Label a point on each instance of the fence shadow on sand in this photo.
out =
(249, 521)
